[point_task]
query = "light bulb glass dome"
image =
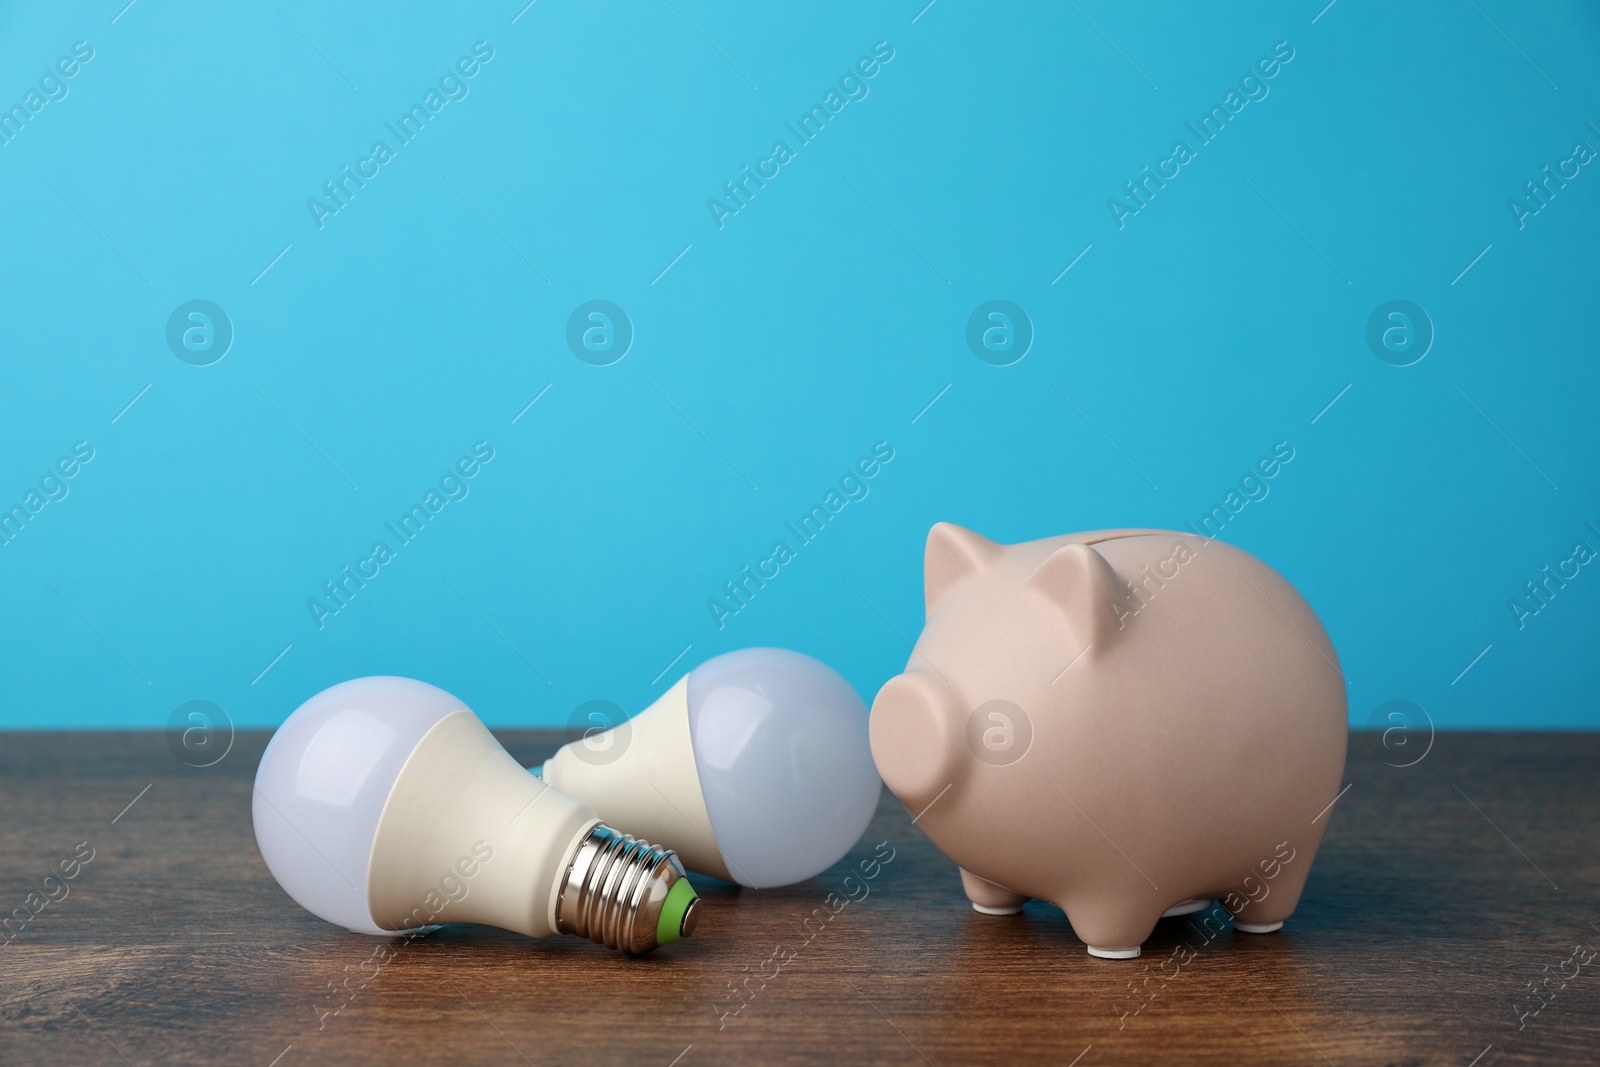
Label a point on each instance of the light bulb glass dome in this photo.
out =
(323, 782)
(780, 741)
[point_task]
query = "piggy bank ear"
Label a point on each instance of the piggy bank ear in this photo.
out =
(953, 553)
(913, 738)
(1094, 598)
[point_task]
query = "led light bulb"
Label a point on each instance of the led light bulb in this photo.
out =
(383, 805)
(754, 767)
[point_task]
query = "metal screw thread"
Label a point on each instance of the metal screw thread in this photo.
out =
(614, 888)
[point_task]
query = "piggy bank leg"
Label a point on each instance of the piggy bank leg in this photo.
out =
(1112, 930)
(991, 899)
(1266, 915)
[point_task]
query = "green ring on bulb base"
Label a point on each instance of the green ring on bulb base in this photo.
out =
(669, 927)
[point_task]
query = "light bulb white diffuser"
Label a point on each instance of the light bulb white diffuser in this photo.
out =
(384, 804)
(754, 767)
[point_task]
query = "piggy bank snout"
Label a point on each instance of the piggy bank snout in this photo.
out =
(913, 738)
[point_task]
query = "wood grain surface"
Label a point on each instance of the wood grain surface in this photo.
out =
(1445, 895)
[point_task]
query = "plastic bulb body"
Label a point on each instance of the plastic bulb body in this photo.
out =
(384, 805)
(755, 767)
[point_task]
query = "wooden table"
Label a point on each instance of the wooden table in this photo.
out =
(1442, 891)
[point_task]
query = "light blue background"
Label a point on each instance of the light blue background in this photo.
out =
(821, 319)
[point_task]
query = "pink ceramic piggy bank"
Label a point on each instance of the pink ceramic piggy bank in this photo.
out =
(1124, 723)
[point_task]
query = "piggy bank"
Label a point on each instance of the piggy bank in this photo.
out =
(1125, 723)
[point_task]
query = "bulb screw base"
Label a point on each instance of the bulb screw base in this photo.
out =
(625, 893)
